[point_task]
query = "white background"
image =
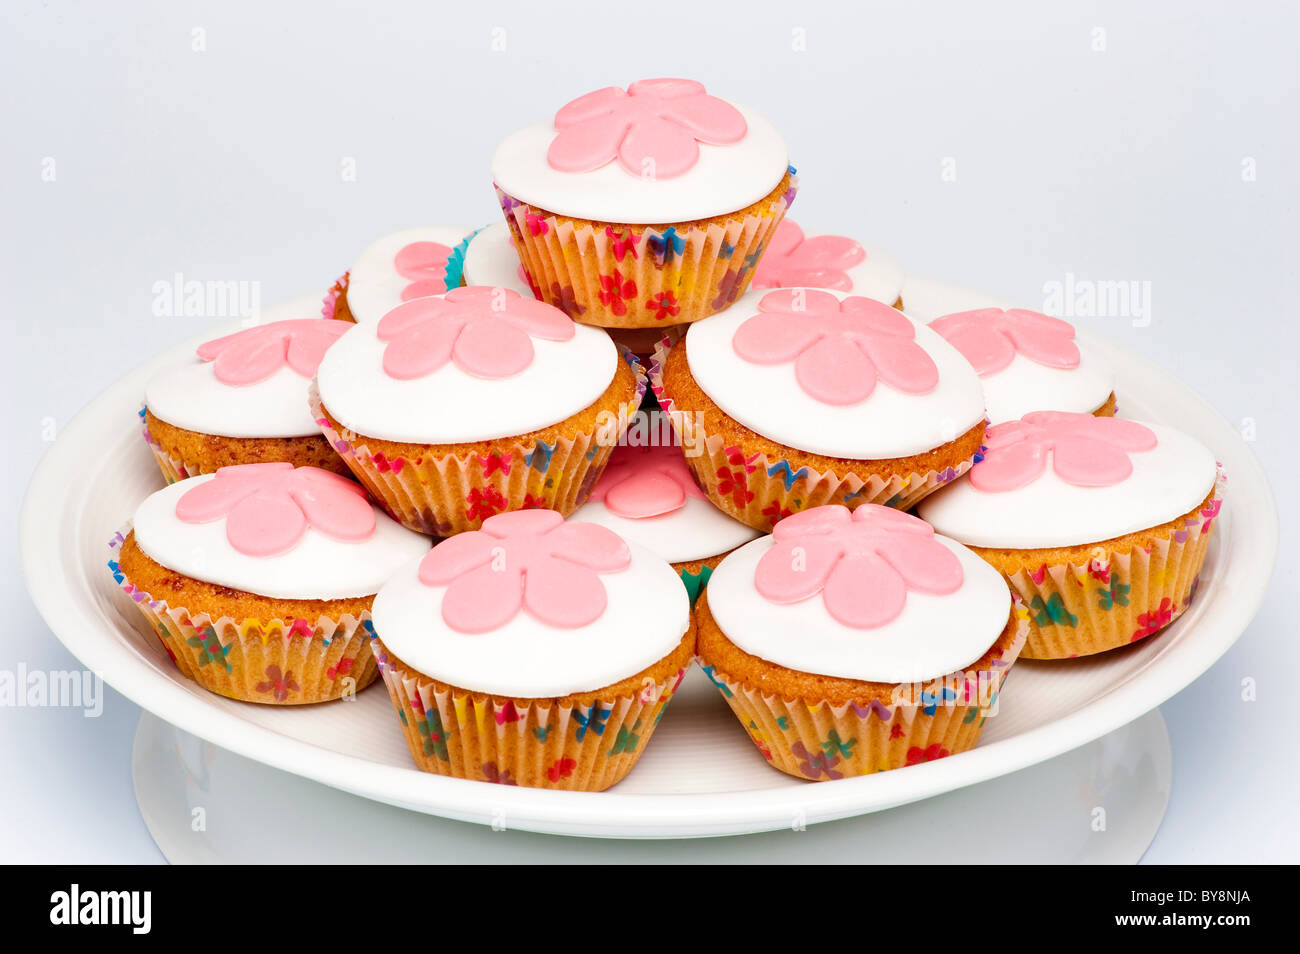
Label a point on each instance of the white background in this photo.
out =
(1126, 162)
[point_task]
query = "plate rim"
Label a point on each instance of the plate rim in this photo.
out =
(46, 519)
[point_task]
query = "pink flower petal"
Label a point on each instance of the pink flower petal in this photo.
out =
(773, 338)
(412, 314)
(876, 317)
(828, 253)
(587, 145)
(864, 592)
(799, 301)
(309, 342)
(564, 594)
(421, 349)
(666, 87)
(522, 523)
(333, 504)
(539, 320)
(836, 373)
(1010, 467)
(707, 118)
(658, 149)
(795, 569)
(902, 363)
(988, 352)
(265, 523)
(422, 260)
(491, 349)
(456, 556)
(590, 545)
(483, 599)
(648, 494)
(1048, 341)
(599, 102)
(817, 520)
(925, 564)
(423, 289)
(1086, 462)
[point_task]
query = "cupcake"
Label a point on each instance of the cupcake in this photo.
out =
(258, 579)
(491, 260)
(795, 260)
(851, 642)
(242, 399)
(647, 495)
(644, 207)
(413, 263)
(457, 407)
(800, 397)
(522, 653)
(1099, 524)
(1029, 362)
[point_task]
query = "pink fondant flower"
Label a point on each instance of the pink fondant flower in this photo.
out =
(652, 129)
(645, 482)
(256, 353)
(424, 265)
(794, 261)
(863, 562)
(839, 348)
(990, 338)
(1086, 450)
(486, 332)
(268, 507)
(528, 559)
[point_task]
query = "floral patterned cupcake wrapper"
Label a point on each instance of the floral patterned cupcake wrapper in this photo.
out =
(576, 748)
(172, 468)
(1115, 598)
(760, 490)
(279, 662)
(823, 742)
(451, 494)
(641, 276)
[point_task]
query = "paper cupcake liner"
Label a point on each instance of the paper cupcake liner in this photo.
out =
(444, 495)
(576, 748)
(172, 468)
(760, 490)
(821, 741)
(273, 661)
(695, 573)
(1114, 599)
(641, 276)
(330, 302)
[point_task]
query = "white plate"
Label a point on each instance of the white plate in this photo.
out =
(700, 775)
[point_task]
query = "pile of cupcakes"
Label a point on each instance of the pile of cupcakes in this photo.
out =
(530, 474)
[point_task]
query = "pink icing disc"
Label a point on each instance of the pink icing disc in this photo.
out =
(863, 562)
(486, 332)
(526, 559)
(268, 507)
(645, 482)
(1086, 451)
(653, 128)
(839, 348)
(791, 260)
(256, 353)
(989, 338)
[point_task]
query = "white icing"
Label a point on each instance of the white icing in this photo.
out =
(878, 276)
(527, 658)
(1167, 482)
(189, 395)
(491, 260)
(933, 636)
(695, 531)
(374, 287)
(451, 406)
(725, 179)
(318, 567)
(889, 423)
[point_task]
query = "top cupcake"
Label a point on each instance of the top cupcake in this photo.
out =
(663, 150)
